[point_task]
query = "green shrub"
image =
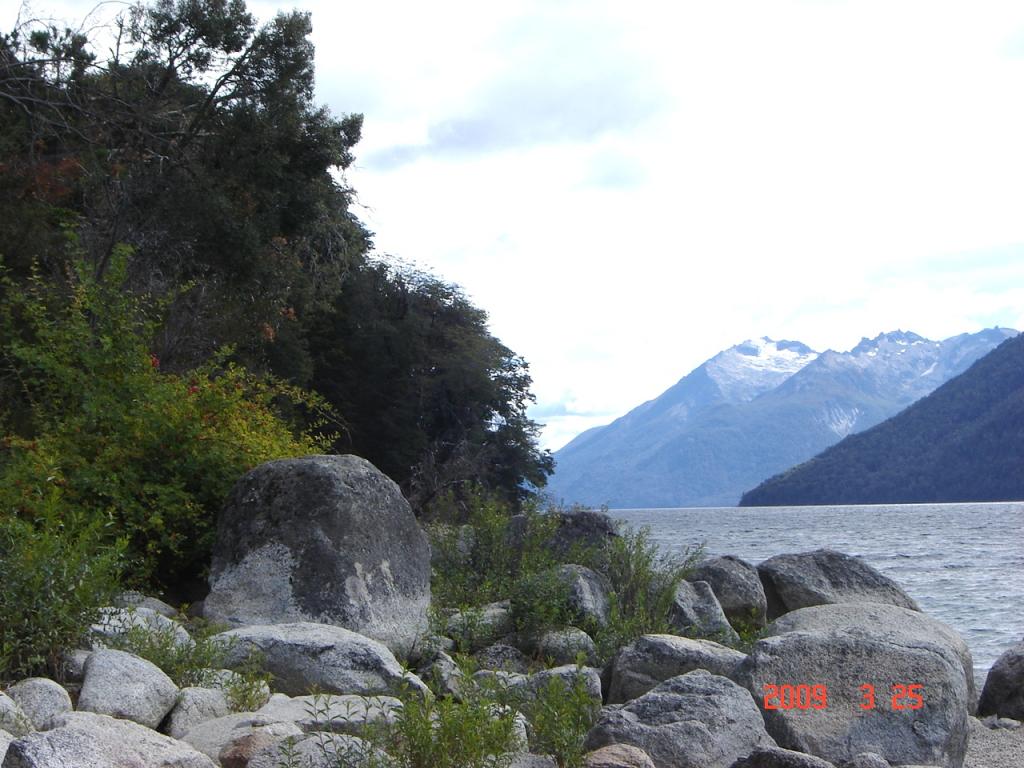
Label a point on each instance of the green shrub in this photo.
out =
(148, 453)
(560, 714)
(56, 573)
(198, 663)
(478, 562)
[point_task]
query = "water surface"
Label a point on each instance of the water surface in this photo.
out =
(962, 563)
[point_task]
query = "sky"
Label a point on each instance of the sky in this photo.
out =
(629, 188)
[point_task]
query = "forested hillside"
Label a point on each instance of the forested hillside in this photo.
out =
(187, 292)
(964, 442)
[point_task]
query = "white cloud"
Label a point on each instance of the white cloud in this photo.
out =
(629, 189)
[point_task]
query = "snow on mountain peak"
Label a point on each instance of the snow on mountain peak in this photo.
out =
(754, 366)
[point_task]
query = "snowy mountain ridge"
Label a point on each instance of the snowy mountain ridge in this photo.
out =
(752, 411)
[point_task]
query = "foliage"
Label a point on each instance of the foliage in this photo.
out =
(482, 561)
(57, 573)
(479, 562)
(430, 396)
(643, 583)
(149, 454)
(198, 663)
(560, 714)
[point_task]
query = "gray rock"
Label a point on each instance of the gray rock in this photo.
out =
(73, 665)
(1003, 694)
(499, 679)
(897, 625)
(326, 750)
(212, 736)
(618, 756)
(89, 740)
(822, 577)
(695, 611)
(195, 706)
(133, 599)
(13, 718)
(1000, 748)
(582, 529)
(115, 622)
(565, 646)
(738, 588)
(5, 741)
(843, 658)
(866, 760)
(337, 714)
(444, 675)
(41, 699)
(122, 685)
(1007, 723)
(774, 757)
(569, 675)
(328, 539)
(503, 657)
(306, 656)
(652, 659)
(588, 594)
(696, 720)
(528, 760)
(477, 628)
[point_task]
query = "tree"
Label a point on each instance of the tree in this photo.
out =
(429, 395)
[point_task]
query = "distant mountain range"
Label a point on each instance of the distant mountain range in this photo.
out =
(751, 412)
(963, 442)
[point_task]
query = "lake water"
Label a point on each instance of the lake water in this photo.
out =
(962, 563)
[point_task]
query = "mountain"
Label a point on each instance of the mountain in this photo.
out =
(963, 442)
(750, 412)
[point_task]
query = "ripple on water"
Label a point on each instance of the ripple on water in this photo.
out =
(963, 563)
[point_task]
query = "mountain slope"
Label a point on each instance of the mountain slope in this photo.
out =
(964, 442)
(751, 412)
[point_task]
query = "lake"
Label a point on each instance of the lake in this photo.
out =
(963, 563)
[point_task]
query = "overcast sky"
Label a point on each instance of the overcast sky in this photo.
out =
(628, 188)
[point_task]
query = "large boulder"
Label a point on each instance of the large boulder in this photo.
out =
(41, 699)
(318, 751)
(895, 624)
(738, 588)
(476, 628)
(652, 659)
(695, 611)
(580, 530)
(195, 706)
(696, 720)
(338, 714)
(617, 756)
(327, 539)
(822, 577)
(774, 757)
(845, 648)
(212, 737)
(305, 656)
(88, 740)
(587, 594)
(1003, 694)
(122, 685)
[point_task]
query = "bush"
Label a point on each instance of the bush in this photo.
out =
(198, 663)
(560, 715)
(148, 454)
(56, 574)
(643, 585)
